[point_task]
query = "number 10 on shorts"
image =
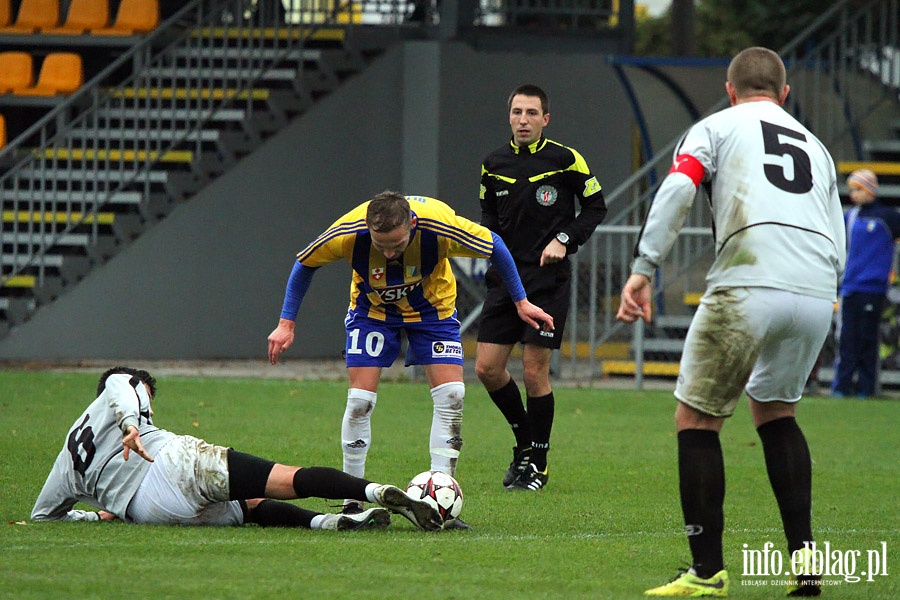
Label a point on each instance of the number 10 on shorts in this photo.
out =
(373, 344)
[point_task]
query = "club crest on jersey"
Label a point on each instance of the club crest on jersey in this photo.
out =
(377, 273)
(444, 349)
(546, 195)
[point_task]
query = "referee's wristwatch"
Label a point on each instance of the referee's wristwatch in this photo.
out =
(563, 238)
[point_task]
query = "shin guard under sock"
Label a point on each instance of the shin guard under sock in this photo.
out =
(701, 474)
(272, 513)
(509, 400)
(540, 415)
(790, 473)
(329, 483)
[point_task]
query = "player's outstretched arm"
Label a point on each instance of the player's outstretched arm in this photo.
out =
(283, 335)
(280, 339)
(534, 315)
(635, 301)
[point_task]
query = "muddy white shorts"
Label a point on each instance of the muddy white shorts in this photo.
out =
(187, 484)
(761, 339)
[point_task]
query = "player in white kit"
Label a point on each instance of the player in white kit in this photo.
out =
(183, 480)
(780, 249)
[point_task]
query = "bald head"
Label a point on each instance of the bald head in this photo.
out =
(757, 71)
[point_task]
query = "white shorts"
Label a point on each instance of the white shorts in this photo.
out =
(761, 339)
(187, 484)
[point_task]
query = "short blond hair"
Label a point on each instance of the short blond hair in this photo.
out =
(757, 71)
(387, 211)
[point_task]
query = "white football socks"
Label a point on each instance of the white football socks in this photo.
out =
(446, 426)
(356, 431)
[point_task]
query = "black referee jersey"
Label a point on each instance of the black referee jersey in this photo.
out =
(528, 196)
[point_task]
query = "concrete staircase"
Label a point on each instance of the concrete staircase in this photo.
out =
(142, 148)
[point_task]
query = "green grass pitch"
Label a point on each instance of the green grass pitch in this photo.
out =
(607, 526)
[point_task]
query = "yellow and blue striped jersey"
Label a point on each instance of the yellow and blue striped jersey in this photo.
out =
(417, 286)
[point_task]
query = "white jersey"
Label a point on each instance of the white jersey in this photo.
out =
(90, 468)
(777, 217)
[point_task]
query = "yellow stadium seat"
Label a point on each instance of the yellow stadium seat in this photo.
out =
(34, 15)
(134, 17)
(61, 73)
(16, 71)
(5, 12)
(83, 16)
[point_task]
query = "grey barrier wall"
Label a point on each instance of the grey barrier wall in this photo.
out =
(208, 281)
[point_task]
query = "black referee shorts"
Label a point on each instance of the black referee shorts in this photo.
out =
(547, 287)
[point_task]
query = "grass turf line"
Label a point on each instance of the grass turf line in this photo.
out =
(607, 526)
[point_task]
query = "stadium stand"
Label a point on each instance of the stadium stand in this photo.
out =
(178, 116)
(157, 130)
(83, 15)
(61, 73)
(16, 71)
(133, 17)
(34, 15)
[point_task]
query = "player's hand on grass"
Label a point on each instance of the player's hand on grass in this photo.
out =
(635, 301)
(132, 442)
(534, 315)
(280, 339)
(106, 516)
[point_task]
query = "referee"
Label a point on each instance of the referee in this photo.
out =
(529, 188)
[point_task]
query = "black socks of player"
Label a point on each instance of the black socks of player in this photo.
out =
(327, 482)
(272, 513)
(540, 415)
(790, 473)
(509, 400)
(701, 471)
(531, 427)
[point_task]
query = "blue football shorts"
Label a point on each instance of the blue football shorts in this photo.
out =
(374, 343)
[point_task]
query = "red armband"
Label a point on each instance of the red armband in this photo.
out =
(690, 166)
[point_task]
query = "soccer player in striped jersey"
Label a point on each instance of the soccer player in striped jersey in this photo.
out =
(183, 480)
(780, 249)
(399, 249)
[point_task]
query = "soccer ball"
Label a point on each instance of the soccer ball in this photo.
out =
(439, 490)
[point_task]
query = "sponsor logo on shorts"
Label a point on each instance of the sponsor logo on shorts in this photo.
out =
(547, 334)
(445, 349)
(502, 193)
(546, 195)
